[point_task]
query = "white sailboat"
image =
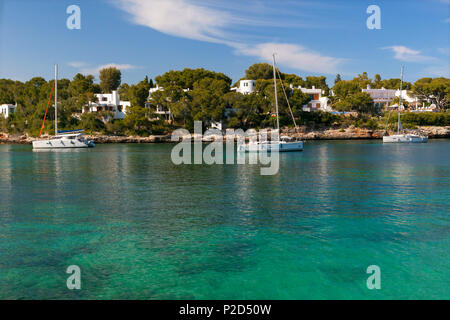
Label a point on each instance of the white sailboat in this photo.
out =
(403, 137)
(283, 143)
(63, 139)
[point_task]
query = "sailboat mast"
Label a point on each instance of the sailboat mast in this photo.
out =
(276, 95)
(400, 101)
(56, 99)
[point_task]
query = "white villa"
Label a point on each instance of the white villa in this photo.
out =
(7, 109)
(318, 102)
(413, 101)
(383, 97)
(159, 109)
(152, 90)
(245, 87)
(108, 102)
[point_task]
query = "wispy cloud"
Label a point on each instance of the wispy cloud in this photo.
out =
(96, 70)
(76, 64)
(408, 55)
(445, 51)
(84, 68)
(294, 56)
(178, 18)
(212, 21)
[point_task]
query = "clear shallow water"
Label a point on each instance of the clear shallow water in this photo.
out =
(140, 227)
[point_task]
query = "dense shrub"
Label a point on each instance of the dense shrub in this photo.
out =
(413, 119)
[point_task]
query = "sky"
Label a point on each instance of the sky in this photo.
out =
(150, 37)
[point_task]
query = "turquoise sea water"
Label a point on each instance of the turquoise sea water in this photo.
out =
(140, 227)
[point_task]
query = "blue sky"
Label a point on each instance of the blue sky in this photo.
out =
(150, 37)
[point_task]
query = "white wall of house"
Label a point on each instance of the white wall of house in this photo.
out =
(382, 97)
(7, 109)
(158, 88)
(245, 87)
(318, 101)
(109, 102)
(406, 97)
(152, 90)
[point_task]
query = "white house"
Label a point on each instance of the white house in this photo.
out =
(108, 102)
(152, 90)
(245, 87)
(381, 97)
(159, 109)
(7, 109)
(413, 101)
(318, 102)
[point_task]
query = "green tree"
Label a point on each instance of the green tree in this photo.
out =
(6, 96)
(249, 110)
(319, 83)
(110, 79)
(124, 92)
(363, 80)
(344, 89)
(297, 100)
(360, 102)
(394, 84)
(259, 71)
(377, 81)
(207, 100)
(138, 95)
(338, 78)
(188, 77)
(293, 79)
(92, 122)
(435, 89)
(81, 84)
(137, 122)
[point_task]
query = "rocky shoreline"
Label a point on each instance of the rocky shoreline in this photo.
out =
(350, 133)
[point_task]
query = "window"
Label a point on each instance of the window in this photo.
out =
(104, 99)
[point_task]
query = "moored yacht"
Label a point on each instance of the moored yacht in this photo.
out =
(403, 137)
(62, 139)
(281, 144)
(69, 139)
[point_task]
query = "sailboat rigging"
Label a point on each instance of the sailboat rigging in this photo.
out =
(62, 139)
(281, 144)
(403, 137)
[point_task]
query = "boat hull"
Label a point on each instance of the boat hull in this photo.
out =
(405, 138)
(269, 147)
(62, 144)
